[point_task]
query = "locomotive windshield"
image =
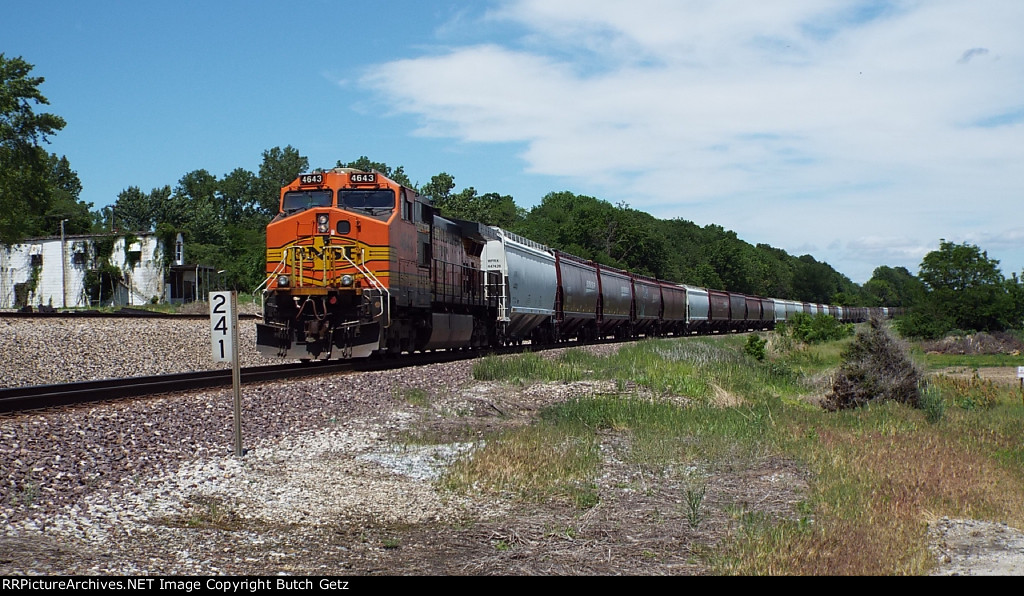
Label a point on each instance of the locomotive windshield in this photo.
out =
(372, 201)
(301, 200)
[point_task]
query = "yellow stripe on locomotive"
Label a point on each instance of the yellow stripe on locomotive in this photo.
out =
(311, 262)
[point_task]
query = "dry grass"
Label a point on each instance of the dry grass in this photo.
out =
(538, 462)
(968, 392)
(880, 477)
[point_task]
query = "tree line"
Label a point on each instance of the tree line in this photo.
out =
(224, 223)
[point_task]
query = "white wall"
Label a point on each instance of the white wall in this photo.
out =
(59, 285)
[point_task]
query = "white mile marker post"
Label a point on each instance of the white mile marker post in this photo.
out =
(1020, 375)
(224, 342)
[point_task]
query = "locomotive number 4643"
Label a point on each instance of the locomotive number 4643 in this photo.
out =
(363, 178)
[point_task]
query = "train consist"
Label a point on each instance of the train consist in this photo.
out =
(358, 264)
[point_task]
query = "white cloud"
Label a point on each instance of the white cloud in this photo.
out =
(852, 120)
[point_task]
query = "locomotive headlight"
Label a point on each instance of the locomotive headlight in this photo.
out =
(282, 281)
(347, 280)
(323, 223)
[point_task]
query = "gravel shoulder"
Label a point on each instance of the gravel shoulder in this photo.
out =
(340, 479)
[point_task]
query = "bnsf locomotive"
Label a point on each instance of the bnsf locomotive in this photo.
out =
(358, 264)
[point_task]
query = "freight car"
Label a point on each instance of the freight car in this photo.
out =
(358, 264)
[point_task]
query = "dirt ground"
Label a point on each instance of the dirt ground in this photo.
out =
(1001, 375)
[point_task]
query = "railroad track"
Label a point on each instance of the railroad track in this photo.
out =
(49, 396)
(124, 313)
(37, 397)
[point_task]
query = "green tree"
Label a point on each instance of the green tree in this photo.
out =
(439, 189)
(237, 196)
(1015, 289)
(964, 290)
(197, 213)
(617, 236)
(278, 169)
(890, 286)
(491, 208)
(814, 281)
(27, 187)
(136, 210)
(64, 204)
(242, 259)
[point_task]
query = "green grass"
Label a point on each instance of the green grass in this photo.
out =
(696, 368)
(412, 395)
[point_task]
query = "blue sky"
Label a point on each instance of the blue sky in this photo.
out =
(861, 132)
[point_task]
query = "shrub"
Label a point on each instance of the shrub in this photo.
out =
(755, 347)
(815, 329)
(921, 325)
(997, 342)
(875, 367)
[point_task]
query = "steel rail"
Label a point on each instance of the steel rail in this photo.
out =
(124, 313)
(37, 397)
(48, 396)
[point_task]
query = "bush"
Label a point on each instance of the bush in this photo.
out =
(814, 329)
(875, 367)
(997, 342)
(921, 325)
(755, 347)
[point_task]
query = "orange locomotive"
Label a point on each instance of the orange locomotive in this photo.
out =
(358, 264)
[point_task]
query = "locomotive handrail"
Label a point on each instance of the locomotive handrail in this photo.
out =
(506, 235)
(279, 269)
(385, 311)
(385, 303)
(260, 288)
